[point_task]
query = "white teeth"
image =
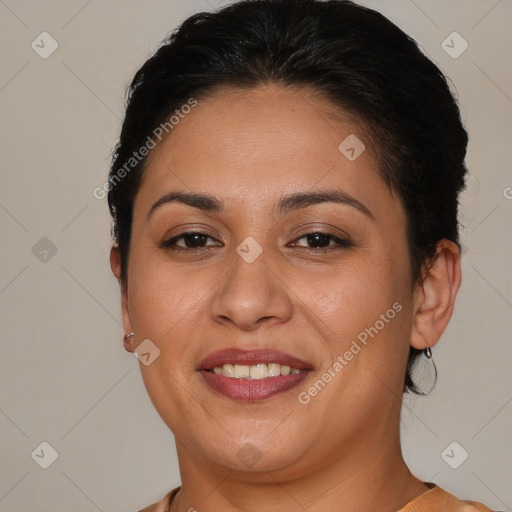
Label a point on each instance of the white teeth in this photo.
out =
(259, 371)
(227, 370)
(274, 369)
(255, 372)
(240, 371)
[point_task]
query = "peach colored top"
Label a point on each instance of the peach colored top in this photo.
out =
(435, 499)
(439, 500)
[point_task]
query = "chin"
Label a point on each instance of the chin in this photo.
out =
(253, 455)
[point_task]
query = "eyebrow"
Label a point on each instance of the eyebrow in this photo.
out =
(291, 202)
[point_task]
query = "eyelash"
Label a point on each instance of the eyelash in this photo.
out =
(341, 243)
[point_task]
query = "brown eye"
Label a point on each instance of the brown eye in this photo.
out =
(322, 240)
(191, 240)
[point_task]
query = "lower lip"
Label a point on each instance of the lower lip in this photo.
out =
(252, 390)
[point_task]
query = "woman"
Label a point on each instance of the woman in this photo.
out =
(284, 196)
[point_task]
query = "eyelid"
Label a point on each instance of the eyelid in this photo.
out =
(323, 228)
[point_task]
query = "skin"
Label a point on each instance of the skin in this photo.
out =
(340, 451)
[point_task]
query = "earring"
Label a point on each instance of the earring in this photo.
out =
(428, 352)
(127, 341)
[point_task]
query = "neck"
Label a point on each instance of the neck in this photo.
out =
(371, 475)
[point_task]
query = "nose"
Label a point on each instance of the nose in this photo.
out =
(251, 294)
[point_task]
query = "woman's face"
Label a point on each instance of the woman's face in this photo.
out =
(262, 276)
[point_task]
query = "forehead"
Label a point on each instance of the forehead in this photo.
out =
(263, 141)
(272, 119)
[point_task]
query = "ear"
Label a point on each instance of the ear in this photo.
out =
(434, 297)
(115, 265)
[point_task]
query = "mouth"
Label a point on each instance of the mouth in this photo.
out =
(252, 375)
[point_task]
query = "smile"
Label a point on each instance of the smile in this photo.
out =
(252, 375)
(254, 372)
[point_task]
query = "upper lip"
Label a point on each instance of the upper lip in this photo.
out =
(251, 357)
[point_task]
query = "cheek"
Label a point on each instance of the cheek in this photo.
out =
(164, 305)
(352, 296)
(361, 313)
(161, 294)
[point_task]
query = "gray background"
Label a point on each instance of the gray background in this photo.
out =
(64, 376)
